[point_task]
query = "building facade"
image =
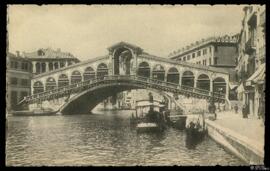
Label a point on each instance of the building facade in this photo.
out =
(251, 60)
(214, 51)
(18, 80)
(220, 52)
(44, 60)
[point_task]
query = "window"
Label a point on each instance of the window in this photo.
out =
(179, 59)
(24, 66)
(193, 55)
(199, 62)
(210, 49)
(188, 57)
(13, 81)
(24, 82)
(11, 64)
(184, 59)
(204, 51)
(215, 60)
(204, 62)
(15, 65)
(69, 63)
(209, 61)
(199, 53)
(216, 48)
(13, 99)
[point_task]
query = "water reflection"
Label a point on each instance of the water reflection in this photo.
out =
(102, 139)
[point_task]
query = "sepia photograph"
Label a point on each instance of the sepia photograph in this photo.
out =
(135, 85)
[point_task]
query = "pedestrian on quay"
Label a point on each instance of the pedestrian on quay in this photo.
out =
(236, 109)
(245, 111)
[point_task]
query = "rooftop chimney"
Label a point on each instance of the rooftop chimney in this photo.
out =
(18, 53)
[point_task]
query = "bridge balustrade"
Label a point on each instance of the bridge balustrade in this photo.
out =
(145, 81)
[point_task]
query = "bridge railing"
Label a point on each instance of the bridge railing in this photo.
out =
(140, 79)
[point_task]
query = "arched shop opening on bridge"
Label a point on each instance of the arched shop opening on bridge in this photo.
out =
(63, 80)
(188, 79)
(50, 83)
(122, 61)
(159, 72)
(38, 87)
(173, 76)
(144, 69)
(219, 85)
(203, 82)
(102, 70)
(88, 74)
(76, 77)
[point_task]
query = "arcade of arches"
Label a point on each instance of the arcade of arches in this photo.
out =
(158, 72)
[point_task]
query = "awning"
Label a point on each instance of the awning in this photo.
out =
(258, 76)
(240, 88)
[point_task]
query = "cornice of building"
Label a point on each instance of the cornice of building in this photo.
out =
(199, 44)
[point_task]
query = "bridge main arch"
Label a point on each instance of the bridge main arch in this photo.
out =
(87, 100)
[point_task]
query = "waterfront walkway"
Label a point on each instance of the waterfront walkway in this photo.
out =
(242, 136)
(252, 128)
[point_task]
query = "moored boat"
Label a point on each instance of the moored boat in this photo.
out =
(148, 118)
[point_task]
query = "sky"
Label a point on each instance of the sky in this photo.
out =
(87, 31)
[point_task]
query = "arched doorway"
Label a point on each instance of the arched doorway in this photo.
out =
(203, 82)
(88, 74)
(102, 70)
(122, 61)
(38, 87)
(76, 77)
(173, 75)
(188, 79)
(219, 85)
(159, 72)
(63, 80)
(50, 83)
(144, 70)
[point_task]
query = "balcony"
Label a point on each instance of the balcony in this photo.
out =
(250, 46)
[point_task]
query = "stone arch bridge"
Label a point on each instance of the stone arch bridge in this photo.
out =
(80, 87)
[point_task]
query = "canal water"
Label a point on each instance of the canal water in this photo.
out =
(101, 139)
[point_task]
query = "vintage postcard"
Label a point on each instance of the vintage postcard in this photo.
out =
(135, 85)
